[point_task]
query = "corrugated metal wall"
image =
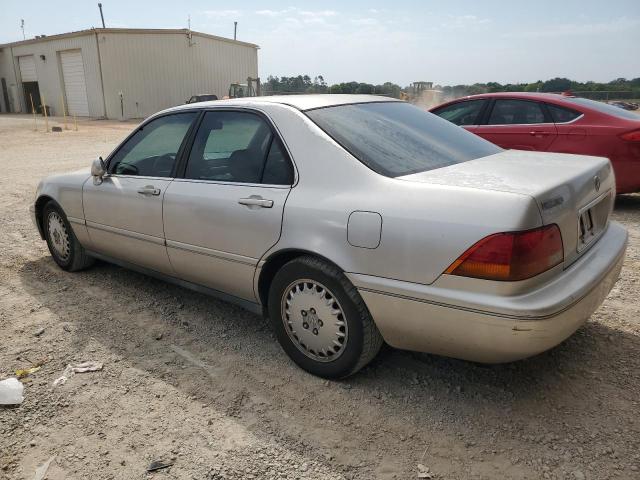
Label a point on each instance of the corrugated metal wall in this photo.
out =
(160, 70)
(49, 71)
(7, 72)
(153, 69)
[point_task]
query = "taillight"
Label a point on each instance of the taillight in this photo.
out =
(511, 256)
(633, 136)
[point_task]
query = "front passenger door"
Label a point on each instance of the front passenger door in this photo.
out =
(226, 212)
(123, 213)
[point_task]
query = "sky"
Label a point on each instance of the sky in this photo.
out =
(446, 42)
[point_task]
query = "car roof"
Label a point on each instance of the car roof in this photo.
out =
(529, 95)
(300, 102)
(546, 97)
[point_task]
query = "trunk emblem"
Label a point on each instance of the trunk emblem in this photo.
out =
(596, 183)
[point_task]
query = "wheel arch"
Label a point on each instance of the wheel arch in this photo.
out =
(274, 262)
(39, 210)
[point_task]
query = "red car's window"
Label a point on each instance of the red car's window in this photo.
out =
(604, 108)
(561, 114)
(462, 113)
(516, 112)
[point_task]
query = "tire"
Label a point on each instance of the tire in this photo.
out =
(305, 293)
(63, 245)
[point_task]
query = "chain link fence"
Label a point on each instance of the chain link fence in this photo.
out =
(606, 95)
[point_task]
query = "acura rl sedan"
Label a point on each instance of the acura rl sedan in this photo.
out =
(350, 221)
(547, 122)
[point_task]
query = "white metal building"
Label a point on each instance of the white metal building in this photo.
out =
(120, 73)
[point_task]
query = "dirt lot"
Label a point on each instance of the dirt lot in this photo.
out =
(203, 384)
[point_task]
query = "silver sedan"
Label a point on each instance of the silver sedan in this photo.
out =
(350, 221)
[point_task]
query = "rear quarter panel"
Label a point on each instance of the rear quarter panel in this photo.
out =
(424, 227)
(590, 138)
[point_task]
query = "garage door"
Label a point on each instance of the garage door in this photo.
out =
(27, 68)
(75, 87)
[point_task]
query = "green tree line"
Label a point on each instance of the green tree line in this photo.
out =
(304, 84)
(618, 88)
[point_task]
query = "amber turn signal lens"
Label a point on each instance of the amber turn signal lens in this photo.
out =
(511, 256)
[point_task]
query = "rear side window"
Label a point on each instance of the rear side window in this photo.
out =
(237, 147)
(278, 169)
(395, 138)
(516, 112)
(561, 114)
(462, 113)
(604, 108)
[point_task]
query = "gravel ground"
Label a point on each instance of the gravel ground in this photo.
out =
(202, 384)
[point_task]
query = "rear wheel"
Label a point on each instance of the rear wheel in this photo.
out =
(320, 319)
(63, 244)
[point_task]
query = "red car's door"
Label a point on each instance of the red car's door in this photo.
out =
(519, 124)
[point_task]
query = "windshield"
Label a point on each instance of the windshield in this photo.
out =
(605, 108)
(396, 138)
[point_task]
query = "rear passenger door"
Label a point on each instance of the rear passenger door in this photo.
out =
(226, 210)
(518, 124)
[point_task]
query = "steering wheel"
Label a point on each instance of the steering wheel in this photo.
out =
(163, 164)
(126, 169)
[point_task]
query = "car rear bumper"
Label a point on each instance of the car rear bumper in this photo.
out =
(430, 319)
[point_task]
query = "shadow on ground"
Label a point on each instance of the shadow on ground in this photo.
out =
(98, 298)
(568, 390)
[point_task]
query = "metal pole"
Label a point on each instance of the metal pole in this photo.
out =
(101, 15)
(33, 110)
(44, 109)
(64, 111)
(235, 29)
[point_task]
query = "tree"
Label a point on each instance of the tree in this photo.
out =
(305, 84)
(533, 87)
(556, 85)
(365, 88)
(389, 89)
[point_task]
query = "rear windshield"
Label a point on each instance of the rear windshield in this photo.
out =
(605, 108)
(396, 138)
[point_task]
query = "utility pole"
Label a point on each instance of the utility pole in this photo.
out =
(22, 27)
(235, 29)
(101, 15)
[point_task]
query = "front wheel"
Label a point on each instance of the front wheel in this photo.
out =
(65, 248)
(320, 319)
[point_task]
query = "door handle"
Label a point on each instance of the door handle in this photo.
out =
(256, 201)
(149, 190)
(538, 133)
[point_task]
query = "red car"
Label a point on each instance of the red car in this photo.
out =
(554, 123)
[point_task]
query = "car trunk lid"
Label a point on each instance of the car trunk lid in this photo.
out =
(576, 192)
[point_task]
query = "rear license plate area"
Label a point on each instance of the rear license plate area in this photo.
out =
(592, 220)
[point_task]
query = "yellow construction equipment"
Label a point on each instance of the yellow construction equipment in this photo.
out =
(240, 90)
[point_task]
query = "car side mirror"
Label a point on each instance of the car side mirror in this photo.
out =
(98, 169)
